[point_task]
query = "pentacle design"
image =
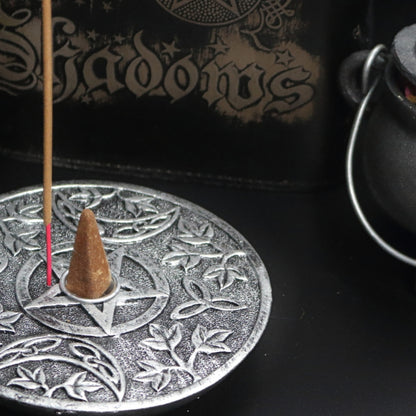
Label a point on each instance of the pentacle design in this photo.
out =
(209, 12)
(141, 298)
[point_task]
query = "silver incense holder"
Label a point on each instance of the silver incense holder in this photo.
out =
(192, 300)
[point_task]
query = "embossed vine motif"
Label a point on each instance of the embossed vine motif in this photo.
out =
(186, 252)
(76, 386)
(98, 370)
(7, 319)
(142, 219)
(204, 341)
(147, 216)
(201, 301)
(21, 226)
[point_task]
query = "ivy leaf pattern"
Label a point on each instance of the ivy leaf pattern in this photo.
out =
(28, 379)
(31, 211)
(164, 339)
(130, 207)
(18, 227)
(77, 386)
(28, 238)
(158, 374)
(196, 236)
(89, 198)
(224, 275)
(24, 240)
(145, 224)
(210, 341)
(194, 240)
(83, 197)
(11, 244)
(4, 262)
(154, 373)
(7, 319)
(183, 259)
(161, 380)
(177, 246)
(24, 213)
(150, 366)
(137, 205)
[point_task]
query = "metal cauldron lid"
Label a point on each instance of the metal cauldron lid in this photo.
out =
(404, 52)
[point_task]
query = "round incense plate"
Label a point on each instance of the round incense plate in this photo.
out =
(193, 300)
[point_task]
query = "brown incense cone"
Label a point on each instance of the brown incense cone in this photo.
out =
(89, 275)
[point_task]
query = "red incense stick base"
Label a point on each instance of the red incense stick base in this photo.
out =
(48, 254)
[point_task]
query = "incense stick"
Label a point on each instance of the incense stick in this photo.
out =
(47, 128)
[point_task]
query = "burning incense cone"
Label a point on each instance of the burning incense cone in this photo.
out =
(89, 275)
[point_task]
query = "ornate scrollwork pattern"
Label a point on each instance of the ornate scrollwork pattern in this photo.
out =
(192, 245)
(185, 253)
(142, 219)
(99, 370)
(21, 226)
(202, 300)
(271, 16)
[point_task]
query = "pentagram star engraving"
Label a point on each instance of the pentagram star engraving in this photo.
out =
(230, 5)
(170, 48)
(103, 314)
(86, 99)
(219, 47)
(284, 57)
(92, 35)
(119, 39)
(107, 6)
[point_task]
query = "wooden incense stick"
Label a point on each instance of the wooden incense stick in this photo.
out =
(47, 55)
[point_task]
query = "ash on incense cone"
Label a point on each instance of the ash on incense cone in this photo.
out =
(89, 274)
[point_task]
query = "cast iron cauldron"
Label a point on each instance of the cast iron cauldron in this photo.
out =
(382, 148)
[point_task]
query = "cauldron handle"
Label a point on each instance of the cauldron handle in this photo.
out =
(350, 82)
(368, 93)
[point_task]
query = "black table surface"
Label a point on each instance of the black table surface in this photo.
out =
(341, 338)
